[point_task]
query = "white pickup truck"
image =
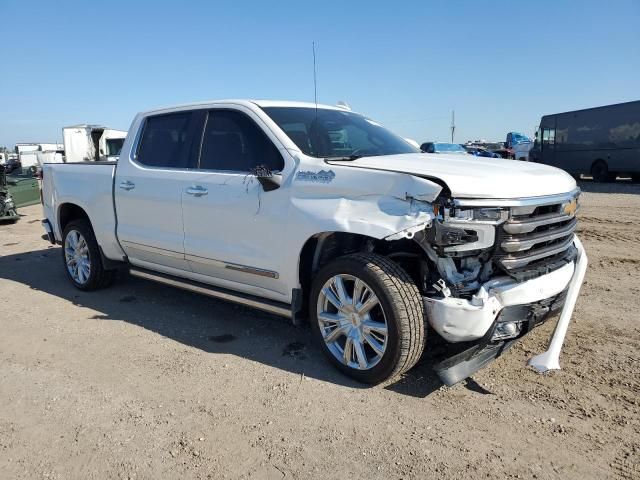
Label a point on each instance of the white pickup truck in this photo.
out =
(316, 212)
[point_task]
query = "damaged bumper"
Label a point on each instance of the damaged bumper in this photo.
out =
(460, 320)
(503, 311)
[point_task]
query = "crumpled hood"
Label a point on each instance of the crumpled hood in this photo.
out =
(476, 177)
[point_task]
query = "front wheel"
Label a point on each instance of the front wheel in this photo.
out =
(368, 317)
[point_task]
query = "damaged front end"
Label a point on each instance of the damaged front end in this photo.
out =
(494, 271)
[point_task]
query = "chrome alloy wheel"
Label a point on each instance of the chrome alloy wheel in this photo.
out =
(76, 254)
(352, 322)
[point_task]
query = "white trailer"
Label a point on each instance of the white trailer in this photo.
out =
(87, 143)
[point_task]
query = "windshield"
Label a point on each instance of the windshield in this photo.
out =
(114, 146)
(449, 148)
(333, 133)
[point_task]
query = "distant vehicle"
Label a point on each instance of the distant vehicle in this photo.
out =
(602, 141)
(24, 187)
(480, 151)
(13, 163)
(8, 210)
(497, 148)
(439, 147)
(87, 143)
(500, 149)
(519, 144)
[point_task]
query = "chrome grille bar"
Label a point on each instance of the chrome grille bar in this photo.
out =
(530, 224)
(526, 242)
(537, 231)
(513, 261)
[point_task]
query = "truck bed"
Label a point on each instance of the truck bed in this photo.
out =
(90, 186)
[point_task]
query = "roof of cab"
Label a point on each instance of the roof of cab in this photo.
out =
(245, 102)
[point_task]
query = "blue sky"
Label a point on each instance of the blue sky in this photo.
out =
(499, 64)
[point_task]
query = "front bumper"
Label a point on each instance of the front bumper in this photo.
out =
(501, 300)
(460, 320)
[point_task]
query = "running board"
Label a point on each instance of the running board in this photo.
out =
(271, 306)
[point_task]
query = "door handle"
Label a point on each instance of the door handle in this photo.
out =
(127, 185)
(197, 191)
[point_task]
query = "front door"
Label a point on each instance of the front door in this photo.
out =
(233, 228)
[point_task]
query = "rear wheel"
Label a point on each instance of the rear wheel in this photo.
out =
(600, 172)
(368, 317)
(81, 257)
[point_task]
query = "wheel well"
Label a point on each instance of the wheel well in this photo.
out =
(324, 247)
(69, 212)
(321, 248)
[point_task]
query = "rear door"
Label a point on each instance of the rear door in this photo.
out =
(233, 228)
(148, 190)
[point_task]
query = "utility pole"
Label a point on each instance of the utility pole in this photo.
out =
(453, 124)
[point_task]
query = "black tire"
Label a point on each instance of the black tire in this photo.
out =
(403, 308)
(98, 276)
(600, 172)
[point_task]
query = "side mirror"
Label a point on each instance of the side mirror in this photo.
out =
(269, 180)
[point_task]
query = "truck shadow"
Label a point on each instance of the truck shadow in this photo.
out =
(215, 327)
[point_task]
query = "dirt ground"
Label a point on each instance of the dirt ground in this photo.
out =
(143, 381)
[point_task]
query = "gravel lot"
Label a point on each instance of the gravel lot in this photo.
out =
(144, 381)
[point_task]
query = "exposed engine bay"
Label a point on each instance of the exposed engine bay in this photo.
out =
(468, 246)
(490, 273)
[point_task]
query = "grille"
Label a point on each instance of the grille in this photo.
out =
(535, 235)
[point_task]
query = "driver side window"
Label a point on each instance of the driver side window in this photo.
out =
(233, 142)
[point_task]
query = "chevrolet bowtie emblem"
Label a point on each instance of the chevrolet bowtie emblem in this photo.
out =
(570, 207)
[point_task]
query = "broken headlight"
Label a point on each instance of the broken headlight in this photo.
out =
(465, 230)
(480, 214)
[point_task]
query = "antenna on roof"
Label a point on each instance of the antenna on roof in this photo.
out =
(314, 130)
(315, 84)
(453, 124)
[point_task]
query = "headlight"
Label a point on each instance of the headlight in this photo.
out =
(465, 230)
(481, 214)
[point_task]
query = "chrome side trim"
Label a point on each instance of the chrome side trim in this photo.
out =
(233, 266)
(210, 291)
(523, 243)
(150, 249)
(516, 202)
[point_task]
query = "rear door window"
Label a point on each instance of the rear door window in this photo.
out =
(165, 141)
(233, 142)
